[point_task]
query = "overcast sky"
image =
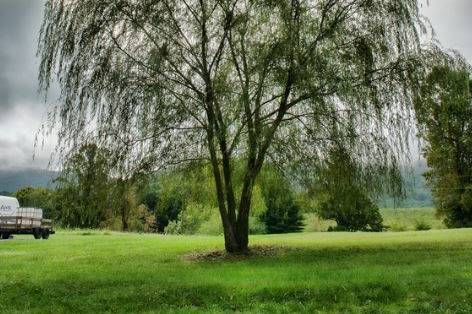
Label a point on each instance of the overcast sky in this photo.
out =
(22, 111)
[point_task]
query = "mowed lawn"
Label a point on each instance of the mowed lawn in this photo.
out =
(92, 272)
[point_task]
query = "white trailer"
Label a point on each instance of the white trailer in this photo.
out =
(22, 220)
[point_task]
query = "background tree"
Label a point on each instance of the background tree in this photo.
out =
(283, 213)
(148, 192)
(84, 188)
(161, 82)
(124, 200)
(186, 197)
(444, 110)
(343, 193)
(141, 219)
(40, 198)
(170, 206)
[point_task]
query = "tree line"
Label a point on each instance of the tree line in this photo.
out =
(177, 201)
(182, 200)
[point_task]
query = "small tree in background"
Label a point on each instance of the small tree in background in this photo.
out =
(124, 201)
(84, 188)
(283, 214)
(444, 111)
(148, 195)
(352, 210)
(168, 210)
(344, 195)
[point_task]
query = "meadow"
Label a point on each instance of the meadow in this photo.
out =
(105, 272)
(396, 219)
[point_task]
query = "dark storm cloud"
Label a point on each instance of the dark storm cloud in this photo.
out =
(19, 26)
(21, 108)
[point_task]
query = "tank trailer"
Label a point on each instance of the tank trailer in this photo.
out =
(22, 220)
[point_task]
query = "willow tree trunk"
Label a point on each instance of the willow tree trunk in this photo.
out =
(236, 235)
(236, 225)
(124, 220)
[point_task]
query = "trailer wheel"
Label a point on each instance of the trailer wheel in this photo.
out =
(45, 234)
(37, 234)
(5, 236)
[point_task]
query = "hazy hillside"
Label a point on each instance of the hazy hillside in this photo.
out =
(417, 193)
(12, 180)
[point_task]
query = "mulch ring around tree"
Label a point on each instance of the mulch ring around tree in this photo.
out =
(253, 252)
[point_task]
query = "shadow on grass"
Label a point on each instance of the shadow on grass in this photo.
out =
(374, 254)
(108, 296)
(139, 296)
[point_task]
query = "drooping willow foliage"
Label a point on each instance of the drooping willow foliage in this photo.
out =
(159, 82)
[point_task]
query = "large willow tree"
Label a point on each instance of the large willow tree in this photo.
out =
(160, 82)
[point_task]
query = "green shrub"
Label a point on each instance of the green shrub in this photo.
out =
(189, 220)
(343, 186)
(168, 210)
(352, 211)
(256, 226)
(397, 227)
(456, 207)
(113, 223)
(282, 217)
(141, 219)
(173, 227)
(212, 225)
(422, 225)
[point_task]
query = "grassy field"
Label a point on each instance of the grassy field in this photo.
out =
(403, 219)
(95, 272)
(397, 219)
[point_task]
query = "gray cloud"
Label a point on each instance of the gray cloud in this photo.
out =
(21, 108)
(452, 22)
(22, 111)
(19, 26)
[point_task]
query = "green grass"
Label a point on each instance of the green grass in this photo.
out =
(92, 272)
(401, 219)
(397, 219)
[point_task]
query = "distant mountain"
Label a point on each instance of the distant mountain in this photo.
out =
(417, 193)
(12, 180)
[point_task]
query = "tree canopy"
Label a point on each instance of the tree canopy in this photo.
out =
(160, 82)
(444, 110)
